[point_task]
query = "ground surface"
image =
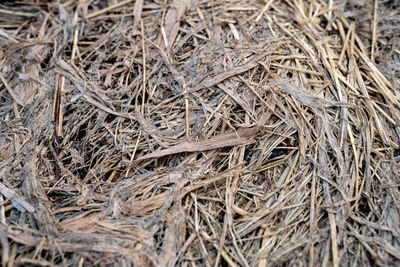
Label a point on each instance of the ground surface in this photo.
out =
(200, 133)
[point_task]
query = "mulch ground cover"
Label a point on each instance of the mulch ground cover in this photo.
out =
(200, 133)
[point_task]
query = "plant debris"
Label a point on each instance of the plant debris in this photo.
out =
(210, 133)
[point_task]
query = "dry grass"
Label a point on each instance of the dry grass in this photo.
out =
(207, 133)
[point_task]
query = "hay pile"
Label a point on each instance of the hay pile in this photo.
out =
(242, 133)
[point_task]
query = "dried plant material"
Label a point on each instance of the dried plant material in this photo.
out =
(241, 137)
(172, 20)
(137, 12)
(7, 36)
(10, 91)
(56, 115)
(16, 200)
(107, 9)
(294, 106)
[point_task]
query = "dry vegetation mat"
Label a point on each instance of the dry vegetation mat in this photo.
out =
(199, 133)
